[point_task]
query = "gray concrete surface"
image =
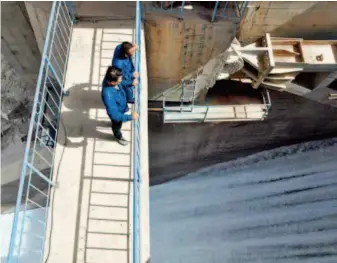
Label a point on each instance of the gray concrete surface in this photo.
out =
(20, 60)
(177, 48)
(305, 19)
(17, 95)
(91, 212)
(113, 10)
(18, 43)
(19, 68)
(38, 13)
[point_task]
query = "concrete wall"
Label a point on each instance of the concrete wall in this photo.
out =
(176, 48)
(309, 20)
(20, 60)
(169, 58)
(16, 98)
(99, 10)
(38, 13)
(177, 149)
(18, 43)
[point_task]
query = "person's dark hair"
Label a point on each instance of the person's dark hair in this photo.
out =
(126, 46)
(112, 74)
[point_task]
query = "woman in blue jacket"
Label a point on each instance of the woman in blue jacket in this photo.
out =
(122, 59)
(115, 101)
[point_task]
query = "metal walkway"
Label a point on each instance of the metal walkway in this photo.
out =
(98, 189)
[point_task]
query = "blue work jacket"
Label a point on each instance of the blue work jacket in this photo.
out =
(125, 64)
(115, 102)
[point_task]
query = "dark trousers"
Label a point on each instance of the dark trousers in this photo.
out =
(116, 129)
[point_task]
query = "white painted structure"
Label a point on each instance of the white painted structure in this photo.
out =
(218, 113)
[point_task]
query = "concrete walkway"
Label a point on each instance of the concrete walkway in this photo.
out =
(91, 212)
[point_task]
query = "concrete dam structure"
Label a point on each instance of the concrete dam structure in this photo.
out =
(198, 105)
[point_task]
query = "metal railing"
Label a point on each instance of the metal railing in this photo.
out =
(229, 9)
(226, 9)
(36, 178)
(187, 92)
(208, 113)
(166, 7)
(215, 113)
(136, 142)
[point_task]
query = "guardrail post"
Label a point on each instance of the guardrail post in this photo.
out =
(206, 113)
(71, 11)
(215, 10)
(136, 142)
(181, 17)
(243, 9)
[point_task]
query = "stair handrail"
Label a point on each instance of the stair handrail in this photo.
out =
(50, 80)
(238, 12)
(136, 141)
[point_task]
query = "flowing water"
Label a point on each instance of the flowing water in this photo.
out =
(274, 206)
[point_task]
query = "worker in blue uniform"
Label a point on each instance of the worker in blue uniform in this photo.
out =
(115, 101)
(122, 59)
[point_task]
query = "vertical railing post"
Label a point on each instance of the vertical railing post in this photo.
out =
(205, 117)
(236, 12)
(182, 95)
(71, 10)
(215, 10)
(195, 86)
(268, 100)
(136, 142)
(181, 10)
(243, 9)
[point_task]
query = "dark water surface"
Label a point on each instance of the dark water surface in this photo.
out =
(274, 206)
